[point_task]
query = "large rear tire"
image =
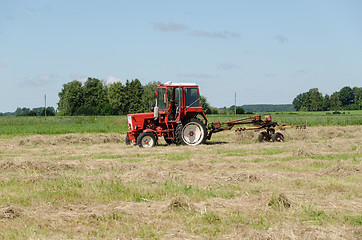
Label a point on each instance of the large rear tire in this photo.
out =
(146, 139)
(191, 132)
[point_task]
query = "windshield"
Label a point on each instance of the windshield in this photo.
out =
(192, 97)
(161, 98)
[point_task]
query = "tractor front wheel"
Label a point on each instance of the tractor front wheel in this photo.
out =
(191, 132)
(128, 142)
(146, 139)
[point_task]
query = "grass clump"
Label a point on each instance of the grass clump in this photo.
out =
(311, 214)
(180, 204)
(279, 202)
(354, 220)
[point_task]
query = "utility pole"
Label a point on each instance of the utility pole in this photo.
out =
(45, 105)
(235, 105)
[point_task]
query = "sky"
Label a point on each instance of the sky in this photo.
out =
(265, 51)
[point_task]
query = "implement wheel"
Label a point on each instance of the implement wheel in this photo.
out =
(146, 139)
(263, 137)
(191, 132)
(278, 137)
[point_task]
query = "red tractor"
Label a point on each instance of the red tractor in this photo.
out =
(179, 118)
(174, 117)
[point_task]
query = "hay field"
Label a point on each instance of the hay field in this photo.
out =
(89, 186)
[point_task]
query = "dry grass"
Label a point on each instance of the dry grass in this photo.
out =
(78, 186)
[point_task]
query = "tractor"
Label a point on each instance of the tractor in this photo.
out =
(174, 117)
(179, 118)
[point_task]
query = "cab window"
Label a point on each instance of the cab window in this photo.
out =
(161, 98)
(192, 98)
(173, 96)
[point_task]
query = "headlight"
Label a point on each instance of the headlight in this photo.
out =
(129, 120)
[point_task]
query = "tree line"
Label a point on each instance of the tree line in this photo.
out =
(346, 99)
(94, 97)
(268, 108)
(39, 111)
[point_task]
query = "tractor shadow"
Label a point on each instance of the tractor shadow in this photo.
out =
(207, 143)
(216, 143)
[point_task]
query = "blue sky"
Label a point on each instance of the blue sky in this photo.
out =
(265, 51)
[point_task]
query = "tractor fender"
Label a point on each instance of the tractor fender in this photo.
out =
(148, 130)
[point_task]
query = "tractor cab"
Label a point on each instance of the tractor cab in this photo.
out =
(176, 100)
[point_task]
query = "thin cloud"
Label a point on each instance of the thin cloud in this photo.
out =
(38, 81)
(222, 34)
(169, 27)
(79, 77)
(194, 75)
(30, 9)
(3, 65)
(228, 66)
(112, 79)
(281, 38)
(172, 27)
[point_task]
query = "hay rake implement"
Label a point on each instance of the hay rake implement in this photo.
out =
(258, 123)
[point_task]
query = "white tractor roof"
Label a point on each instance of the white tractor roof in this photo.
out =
(178, 84)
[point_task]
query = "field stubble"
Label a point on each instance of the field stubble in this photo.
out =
(93, 186)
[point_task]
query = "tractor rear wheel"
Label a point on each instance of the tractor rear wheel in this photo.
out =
(146, 139)
(264, 137)
(278, 137)
(191, 132)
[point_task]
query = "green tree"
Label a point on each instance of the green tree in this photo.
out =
(346, 96)
(335, 103)
(149, 96)
(117, 97)
(94, 97)
(31, 113)
(299, 101)
(50, 111)
(134, 92)
(326, 103)
(214, 110)
(205, 105)
(71, 98)
(357, 91)
(309, 101)
(315, 100)
(239, 110)
(22, 111)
